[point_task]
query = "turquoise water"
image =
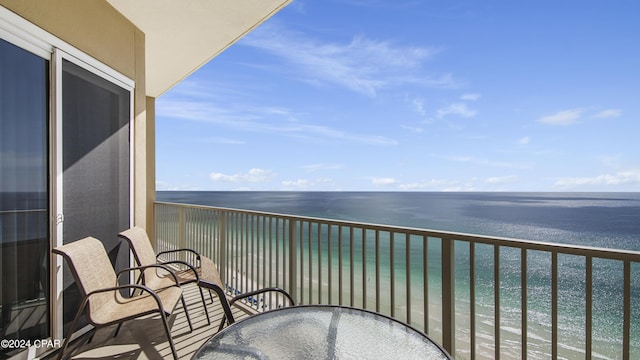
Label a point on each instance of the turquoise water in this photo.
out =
(592, 219)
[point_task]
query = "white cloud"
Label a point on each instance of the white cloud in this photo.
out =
(254, 175)
(362, 65)
(524, 141)
(459, 109)
(565, 117)
(419, 106)
(414, 129)
(620, 178)
(297, 184)
(608, 114)
(383, 181)
(501, 180)
(310, 184)
(433, 184)
(319, 130)
(166, 186)
(470, 97)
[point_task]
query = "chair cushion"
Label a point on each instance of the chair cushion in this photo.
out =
(123, 308)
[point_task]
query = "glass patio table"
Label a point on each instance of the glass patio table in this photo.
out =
(320, 332)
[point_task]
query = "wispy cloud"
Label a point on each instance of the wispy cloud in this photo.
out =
(319, 130)
(240, 115)
(573, 116)
(166, 186)
(564, 117)
(362, 64)
(418, 104)
(470, 97)
(608, 114)
(297, 184)
(524, 140)
(310, 184)
(413, 129)
(497, 180)
(458, 109)
(252, 176)
(383, 181)
(627, 178)
(227, 141)
(487, 162)
(438, 185)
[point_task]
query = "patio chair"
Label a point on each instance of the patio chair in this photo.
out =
(144, 254)
(210, 279)
(103, 304)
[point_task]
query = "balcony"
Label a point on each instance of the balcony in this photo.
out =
(467, 292)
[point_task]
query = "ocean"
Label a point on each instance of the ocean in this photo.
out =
(609, 220)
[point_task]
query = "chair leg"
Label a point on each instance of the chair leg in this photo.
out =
(71, 329)
(228, 315)
(222, 322)
(118, 329)
(186, 312)
(168, 332)
(204, 305)
(93, 332)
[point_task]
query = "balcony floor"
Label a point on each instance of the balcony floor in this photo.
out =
(145, 338)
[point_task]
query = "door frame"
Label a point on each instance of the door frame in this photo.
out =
(30, 37)
(56, 165)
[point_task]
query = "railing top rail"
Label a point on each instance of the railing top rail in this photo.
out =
(596, 252)
(21, 211)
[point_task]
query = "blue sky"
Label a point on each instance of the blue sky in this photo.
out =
(405, 95)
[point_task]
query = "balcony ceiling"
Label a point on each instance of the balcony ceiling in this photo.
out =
(181, 36)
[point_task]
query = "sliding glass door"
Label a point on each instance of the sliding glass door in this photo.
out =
(24, 195)
(95, 166)
(65, 174)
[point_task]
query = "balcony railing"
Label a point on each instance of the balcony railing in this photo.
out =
(480, 296)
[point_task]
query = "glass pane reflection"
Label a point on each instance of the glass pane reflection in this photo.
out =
(24, 230)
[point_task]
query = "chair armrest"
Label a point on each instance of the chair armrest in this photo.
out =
(211, 285)
(191, 267)
(197, 255)
(143, 268)
(265, 290)
(184, 250)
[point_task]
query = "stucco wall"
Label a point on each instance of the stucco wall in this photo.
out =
(91, 26)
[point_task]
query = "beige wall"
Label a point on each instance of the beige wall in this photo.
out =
(97, 29)
(92, 26)
(150, 176)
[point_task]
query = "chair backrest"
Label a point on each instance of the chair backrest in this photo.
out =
(91, 268)
(209, 272)
(140, 245)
